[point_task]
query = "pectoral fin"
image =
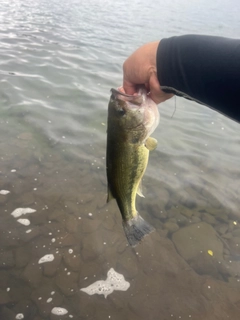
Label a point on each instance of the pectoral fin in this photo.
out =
(110, 196)
(139, 191)
(151, 143)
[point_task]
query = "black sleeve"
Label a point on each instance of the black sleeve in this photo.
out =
(202, 68)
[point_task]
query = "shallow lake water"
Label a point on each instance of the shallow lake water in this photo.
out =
(58, 61)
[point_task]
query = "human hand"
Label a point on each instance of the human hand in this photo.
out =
(141, 69)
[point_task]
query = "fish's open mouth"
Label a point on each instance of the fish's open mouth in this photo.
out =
(135, 99)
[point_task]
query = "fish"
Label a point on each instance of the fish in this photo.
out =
(131, 121)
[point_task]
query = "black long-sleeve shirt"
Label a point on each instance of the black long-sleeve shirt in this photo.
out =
(202, 68)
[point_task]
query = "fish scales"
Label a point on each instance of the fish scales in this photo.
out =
(131, 120)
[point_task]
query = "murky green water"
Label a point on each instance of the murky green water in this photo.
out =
(58, 61)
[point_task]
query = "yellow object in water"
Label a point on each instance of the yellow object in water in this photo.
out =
(210, 252)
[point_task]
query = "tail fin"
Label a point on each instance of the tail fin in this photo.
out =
(136, 229)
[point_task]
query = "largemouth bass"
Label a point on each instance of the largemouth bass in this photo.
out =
(131, 121)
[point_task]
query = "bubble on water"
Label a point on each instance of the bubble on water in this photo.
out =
(46, 258)
(53, 240)
(70, 251)
(4, 192)
(114, 281)
(25, 222)
(21, 211)
(49, 300)
(13, 170)
(59, 311)
(29, 230)
(8, 289)
(90, 214)
(19, 316)
(52, 293)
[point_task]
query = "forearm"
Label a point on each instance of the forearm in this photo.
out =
(203, 68)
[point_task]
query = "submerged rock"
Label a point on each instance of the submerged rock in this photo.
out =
(4, 297)
(67, 281)
(22, 257)
(197, 238)
(32, 274)
(171, 226)
(6, 259)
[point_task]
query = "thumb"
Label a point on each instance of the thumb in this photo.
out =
(129, 87)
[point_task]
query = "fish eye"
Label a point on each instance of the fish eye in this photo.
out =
(121, 112)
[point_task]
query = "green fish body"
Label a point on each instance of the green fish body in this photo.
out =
(131, 120)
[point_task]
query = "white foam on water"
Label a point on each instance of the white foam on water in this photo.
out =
(4, 192)
(13, 170)
(29, 230)
(49, 300)
(19, 316)
(21, 211)
(59, 311)
(114, 281)
(46, 258)
(25, 222)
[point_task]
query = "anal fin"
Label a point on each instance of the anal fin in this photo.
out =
(139, 190)
(110, 195)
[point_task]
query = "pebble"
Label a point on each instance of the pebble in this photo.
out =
(68, 284)
(32, 274)
(171, 226)
(208, 218)
(6, 259)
